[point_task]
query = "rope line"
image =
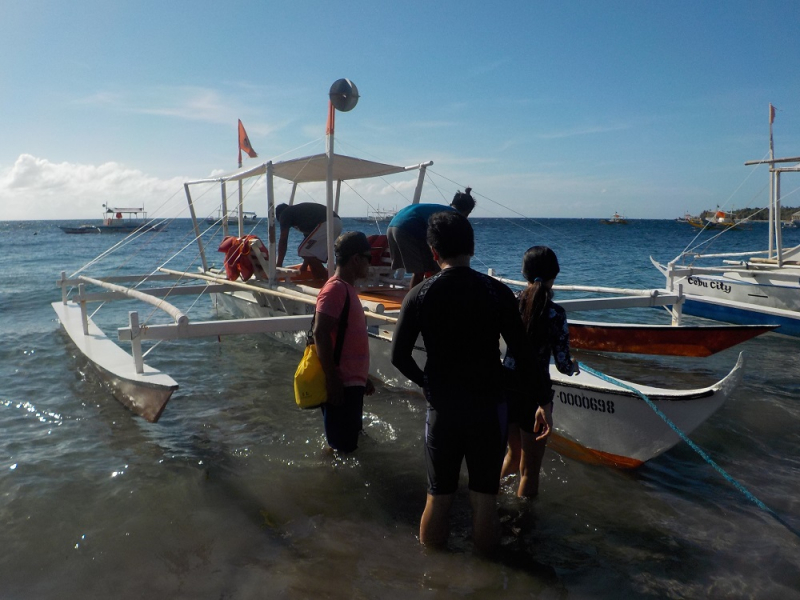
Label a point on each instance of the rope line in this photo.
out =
(693, 446)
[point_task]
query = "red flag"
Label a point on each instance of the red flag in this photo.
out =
(771, 114)
(244, 144)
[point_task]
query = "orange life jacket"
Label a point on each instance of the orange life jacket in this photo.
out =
(237, 256)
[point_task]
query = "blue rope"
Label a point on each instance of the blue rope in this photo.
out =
(693, 446)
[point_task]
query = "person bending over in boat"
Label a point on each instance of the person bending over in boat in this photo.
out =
(406, 235)
(546, 328)
(461, 314)
(310, 219)
(346, 377)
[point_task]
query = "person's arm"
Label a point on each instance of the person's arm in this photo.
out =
(324, 327)
(560, 345)
(405, 336)
(283, 243)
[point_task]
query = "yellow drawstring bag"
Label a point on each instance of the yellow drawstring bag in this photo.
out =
(310, 390)
(309, 380)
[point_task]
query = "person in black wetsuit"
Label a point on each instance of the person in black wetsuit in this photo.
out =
(461, 314)
(310, 219)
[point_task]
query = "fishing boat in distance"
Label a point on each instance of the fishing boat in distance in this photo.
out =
(756, 287)
(280, 301)
(378, 215)
(80, 229)
(719, 219)
(616, 219)
(118, 220)
(248, 217)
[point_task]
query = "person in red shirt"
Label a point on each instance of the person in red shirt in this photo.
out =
(347, 379)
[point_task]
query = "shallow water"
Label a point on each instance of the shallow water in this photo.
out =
(231, 494)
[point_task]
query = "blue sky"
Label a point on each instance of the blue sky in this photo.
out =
(547, 109)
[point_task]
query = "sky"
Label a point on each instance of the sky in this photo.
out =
(546, 109)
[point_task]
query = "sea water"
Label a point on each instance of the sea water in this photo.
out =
(232, 494)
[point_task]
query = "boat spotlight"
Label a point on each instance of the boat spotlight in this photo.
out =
(344, 95)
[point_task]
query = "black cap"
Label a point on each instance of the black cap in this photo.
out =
(349, 244)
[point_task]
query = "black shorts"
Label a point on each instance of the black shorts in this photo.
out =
(522, 408)
(343, 423)
(477, 434)
(524, 400)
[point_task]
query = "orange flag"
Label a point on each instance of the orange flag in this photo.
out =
(244, 144)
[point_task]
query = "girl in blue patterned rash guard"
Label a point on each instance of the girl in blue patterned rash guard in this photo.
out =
(546, 328)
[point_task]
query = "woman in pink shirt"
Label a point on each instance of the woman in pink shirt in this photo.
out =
(346, 376)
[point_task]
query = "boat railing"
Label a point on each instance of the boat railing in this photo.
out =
(625, 298)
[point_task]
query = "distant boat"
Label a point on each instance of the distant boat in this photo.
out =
(80, 229)
(617, 219)
(724, 220)
(233, 216)
(687, 218)
(117, 220)
(378, 216)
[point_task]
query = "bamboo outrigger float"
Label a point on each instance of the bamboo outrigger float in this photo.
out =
(280, 302)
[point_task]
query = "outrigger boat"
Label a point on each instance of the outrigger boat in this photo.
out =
(379, 215)
(616, 219)
(760, 287)
(280, 302)
(118, 220)
(675, 339)
(248, 217)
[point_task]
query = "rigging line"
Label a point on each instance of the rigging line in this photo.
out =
(752, 172)
(352, 189)
(509, 209)
(688, 247)
(194, 260)
(123, 242)
(556, 233)
(694, 447)
(429, 178)
(694, 251)
(187, 311)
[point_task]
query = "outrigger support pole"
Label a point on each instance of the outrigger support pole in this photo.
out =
(196, 228)
(420, 180)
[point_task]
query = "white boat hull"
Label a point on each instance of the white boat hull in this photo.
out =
(744, 296)
(760, 289)
(146, 393)
(600, 422)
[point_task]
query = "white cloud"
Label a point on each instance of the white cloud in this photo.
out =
(35, 188)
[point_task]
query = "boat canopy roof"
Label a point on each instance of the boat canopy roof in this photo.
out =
(315, 168)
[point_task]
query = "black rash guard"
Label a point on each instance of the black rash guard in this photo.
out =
(305, 216)
(461, 314)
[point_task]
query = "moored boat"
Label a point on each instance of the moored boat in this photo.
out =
(755, 287)
(118, 220)
(248, 217)
(378, 215)
(80, 229)
(616, 219)
(280, 302)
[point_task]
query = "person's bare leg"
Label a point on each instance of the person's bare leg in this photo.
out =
(530, 464)
(513, 455)
(434, 526)
(416, 279)
(485, 521)
(317, 268)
